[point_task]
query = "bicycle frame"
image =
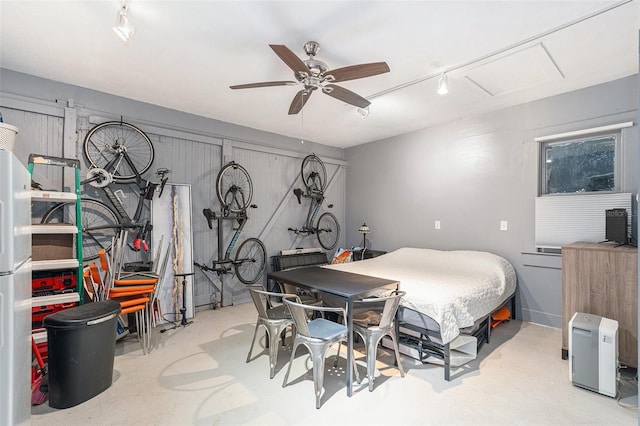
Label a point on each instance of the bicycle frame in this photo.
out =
(226, 258)
(312, 213)
(146, 191)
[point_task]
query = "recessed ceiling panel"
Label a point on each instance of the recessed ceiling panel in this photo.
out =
(519, 70)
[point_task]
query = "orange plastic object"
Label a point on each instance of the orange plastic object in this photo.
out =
(500, 315)
(135, 308)
(139, 281)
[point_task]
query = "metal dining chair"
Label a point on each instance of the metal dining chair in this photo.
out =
(317, 335)
(275, 319)
(373, 324)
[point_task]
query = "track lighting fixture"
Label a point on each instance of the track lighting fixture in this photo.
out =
(123, 28)
(442, 84)
(364, 112)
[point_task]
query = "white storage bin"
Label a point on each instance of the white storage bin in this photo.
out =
(7, 136)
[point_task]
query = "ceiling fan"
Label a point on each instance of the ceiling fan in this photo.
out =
(315, 74)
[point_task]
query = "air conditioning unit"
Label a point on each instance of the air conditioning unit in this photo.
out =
(593, 353)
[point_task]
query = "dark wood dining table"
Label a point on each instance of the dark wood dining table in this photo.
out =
(350, 287)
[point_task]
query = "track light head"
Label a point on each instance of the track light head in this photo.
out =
(364, 112)
(123, 28)
(442, 84)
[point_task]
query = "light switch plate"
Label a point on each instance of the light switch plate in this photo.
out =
(437, 224)
(504, 225)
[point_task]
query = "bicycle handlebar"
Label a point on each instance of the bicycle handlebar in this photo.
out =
(219, 270)
(162, 174)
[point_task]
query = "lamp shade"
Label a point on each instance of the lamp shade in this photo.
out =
(364, 229)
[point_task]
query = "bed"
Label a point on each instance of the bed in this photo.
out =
(450, 298)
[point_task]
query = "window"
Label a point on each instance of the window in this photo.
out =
(580, 164)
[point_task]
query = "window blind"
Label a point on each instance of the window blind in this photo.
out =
(566, 219)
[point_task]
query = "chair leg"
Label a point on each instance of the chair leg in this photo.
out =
(148, 312)
(353, 362)
(293, 355)
(273, 351)
(396, 347)
(371, 349)
(145, 330)
(355, 368)
(318, 375)
(255, 334)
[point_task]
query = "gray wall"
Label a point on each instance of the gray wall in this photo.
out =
(53, 119)
(473, 173)
(469, 174)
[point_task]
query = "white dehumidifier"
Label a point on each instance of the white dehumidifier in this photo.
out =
(593, 353)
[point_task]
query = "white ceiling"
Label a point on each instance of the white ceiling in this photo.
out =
(186, 54)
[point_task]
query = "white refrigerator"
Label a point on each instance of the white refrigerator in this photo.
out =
(15, 291)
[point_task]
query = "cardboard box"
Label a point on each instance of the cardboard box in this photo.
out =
(52, 246)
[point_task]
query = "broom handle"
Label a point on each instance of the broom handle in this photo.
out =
(37, 353)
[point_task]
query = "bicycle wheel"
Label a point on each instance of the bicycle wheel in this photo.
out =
(328, 231)
(313, 173)
(250, 260)
(99, 224)
(121, 149)
(234, 187)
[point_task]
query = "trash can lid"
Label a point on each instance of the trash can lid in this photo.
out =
(83, 315)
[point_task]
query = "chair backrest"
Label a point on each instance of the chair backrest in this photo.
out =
(88, 283)
(105, 265)
(258, 302)
(157, 256)
(299, 314)
(96, 281)
(163, 266)
(391, 304)
(260, 298)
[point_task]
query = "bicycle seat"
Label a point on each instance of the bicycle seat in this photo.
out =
(210, 215)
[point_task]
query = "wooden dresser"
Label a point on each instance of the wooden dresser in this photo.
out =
(602, 279)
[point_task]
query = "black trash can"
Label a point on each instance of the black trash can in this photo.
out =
(81, 345)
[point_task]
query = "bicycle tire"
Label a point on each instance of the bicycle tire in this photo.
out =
(234, 187)
(104, 143)
(328, 231)
(250, 261)
(313, 173)
(99, 224)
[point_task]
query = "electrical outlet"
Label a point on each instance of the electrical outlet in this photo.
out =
(504, 225)
(437, 224)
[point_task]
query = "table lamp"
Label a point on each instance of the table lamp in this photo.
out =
(364, 230)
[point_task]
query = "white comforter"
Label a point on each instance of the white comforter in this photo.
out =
(455, 288)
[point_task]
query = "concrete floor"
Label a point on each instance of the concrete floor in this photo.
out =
(198, 375)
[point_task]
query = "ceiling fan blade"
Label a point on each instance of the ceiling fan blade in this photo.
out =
(345, 95)
(263, 84)
(290, 58)
(298, 102)
(357, 71)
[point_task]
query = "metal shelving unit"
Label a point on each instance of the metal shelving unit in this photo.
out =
(74, 263)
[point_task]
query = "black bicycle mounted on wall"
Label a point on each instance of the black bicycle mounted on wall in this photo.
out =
(235, 191)
(314, 178)
(119, 153)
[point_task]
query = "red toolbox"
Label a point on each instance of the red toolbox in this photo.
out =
(47, 283)
(39, 312)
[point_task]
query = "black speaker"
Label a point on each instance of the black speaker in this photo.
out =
(616, 226)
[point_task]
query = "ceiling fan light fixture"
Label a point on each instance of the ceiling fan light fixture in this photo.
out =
(443, 88)
(314, 75)
(123, 28)
(364, 112)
